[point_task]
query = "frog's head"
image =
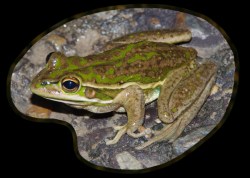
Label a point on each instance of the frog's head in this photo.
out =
(60, 81)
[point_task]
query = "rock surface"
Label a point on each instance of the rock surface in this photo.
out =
(127, 161)
(87, 35)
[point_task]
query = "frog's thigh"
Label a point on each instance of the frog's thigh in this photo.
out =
(132, 99)
(192, 111)
(170, 83)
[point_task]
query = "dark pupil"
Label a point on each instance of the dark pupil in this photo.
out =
(70, 84)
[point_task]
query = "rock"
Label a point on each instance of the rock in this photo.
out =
(57, 41)
(158, 121)
(215, 89)
(182, 144)
(38, 112)
(127, 161)
(157, 126)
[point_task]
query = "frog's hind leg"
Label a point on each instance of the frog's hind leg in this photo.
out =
(132, 99)
(173, 130)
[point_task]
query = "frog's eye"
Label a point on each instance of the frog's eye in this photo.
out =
(70, 85)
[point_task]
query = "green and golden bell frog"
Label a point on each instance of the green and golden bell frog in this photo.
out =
(133, 71)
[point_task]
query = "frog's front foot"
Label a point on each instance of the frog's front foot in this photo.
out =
(121, 131)
(132, 99)
(124, 129)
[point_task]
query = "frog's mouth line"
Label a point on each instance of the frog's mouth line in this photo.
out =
(80, 102)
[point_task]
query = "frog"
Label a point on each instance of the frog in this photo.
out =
(132, 72)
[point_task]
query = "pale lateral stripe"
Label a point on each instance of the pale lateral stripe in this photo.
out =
(81, 99)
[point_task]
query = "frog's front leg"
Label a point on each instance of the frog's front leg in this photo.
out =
(132, 99)
(188, 96)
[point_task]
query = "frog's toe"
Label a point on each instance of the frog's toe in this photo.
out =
(176, 134)
(148, 131)
(119, 127)
(110, 142)
(145, 132)
(156, 138)
(172, 140)
(144, 145)
(120, 133)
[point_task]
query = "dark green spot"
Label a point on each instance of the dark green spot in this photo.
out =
(187, 55)
(111, 71)
(144, 57)
(173, 110)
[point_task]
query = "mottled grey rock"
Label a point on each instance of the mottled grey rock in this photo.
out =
(127, 161)
(182, 144)
(157, 126)
(87, 35)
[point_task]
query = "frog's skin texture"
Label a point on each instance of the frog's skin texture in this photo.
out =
(135, 70)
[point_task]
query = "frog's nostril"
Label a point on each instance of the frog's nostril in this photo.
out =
(43, 83)
(48, 56)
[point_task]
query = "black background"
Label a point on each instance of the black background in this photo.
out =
(31, 149)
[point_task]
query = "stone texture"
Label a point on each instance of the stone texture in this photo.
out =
(87, 35)
(182, 144)
(127, 161)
